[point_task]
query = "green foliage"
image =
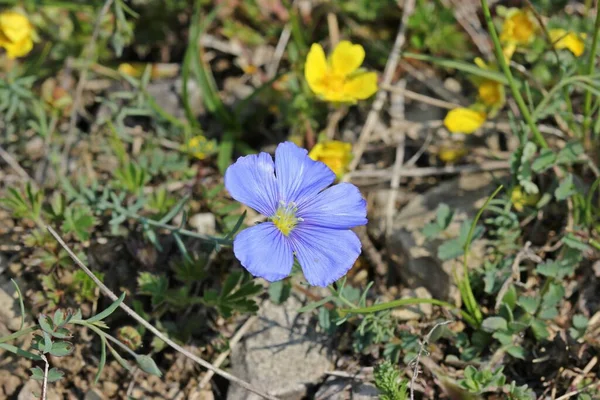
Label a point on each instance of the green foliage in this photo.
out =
(387, 380)
(434, 29)
(483, 381)
(26, 204)
(237, 295)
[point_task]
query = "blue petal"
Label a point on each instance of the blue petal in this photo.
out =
(251, 181)
(324, 254)
(264, 251)
(340, 207)
(299, 178)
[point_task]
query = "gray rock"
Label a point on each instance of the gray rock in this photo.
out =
(32, 390)
(282, 354)
(346, 389)
(414, 257)
(204, 223)
(94, 394)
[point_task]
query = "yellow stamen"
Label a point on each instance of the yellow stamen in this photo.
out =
(285, 218)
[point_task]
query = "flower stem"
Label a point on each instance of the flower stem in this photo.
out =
(587, 104)
(407, 302)
(511, 81)
(19, 333)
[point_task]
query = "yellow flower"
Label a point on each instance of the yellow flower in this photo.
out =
(339, 78)
(333, 153)
(520, 199)
(464, 120)
(451, 153)
(568, 40)
(491, 93)
(16, 34)
(199, 147)
(519, 27)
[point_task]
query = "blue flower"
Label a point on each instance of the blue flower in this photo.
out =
(307, 218)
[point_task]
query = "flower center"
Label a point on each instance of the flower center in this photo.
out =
(285, 217)
(334, 82)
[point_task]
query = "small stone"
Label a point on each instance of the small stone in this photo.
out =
(364, 391)
(204, 223)
(415, 257)
(33, 389)
(35, 148)
(110, 388)
(10, 383)
(281, 354)
(334, 389)
(596, 268)
(94, 394)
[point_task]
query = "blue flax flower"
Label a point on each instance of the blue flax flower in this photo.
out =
(307, 218)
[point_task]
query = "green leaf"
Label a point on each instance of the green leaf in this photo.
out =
(553, 296)
(550, 269)
(570, 153)
(102, 359)
(61, 349)
(461, 66)
(315, 304)
(573, 242)
(37, 373)
(45, 323)
(565, 189)
(153, 285)
(444, 216)
(544, 161)
(538, 327)
(580, 321)
(59, 317)
(279, 291)
(55, 375)
(109, 310)
(516, 351)
(492, 324)
(529, 304)
(147, 364)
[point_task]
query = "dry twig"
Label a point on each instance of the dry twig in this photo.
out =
(107, 292)
(388, 74)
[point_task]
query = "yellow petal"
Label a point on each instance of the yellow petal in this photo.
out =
(480, 63)
(491, 93)
(15, 26)
(451, 154)
(315, 68)
(519, 27)
(199, 147)
(17, 49)
(333, 153)
(520, 199)
(362, 86)
(346, 58)
(464, 120)
(567, 40)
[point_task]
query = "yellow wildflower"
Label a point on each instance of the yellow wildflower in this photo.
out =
(519, 27)
(451, 153)
(520, 199)
(333, 153)
(339, 78)
(571, 41)
(464, 120)
(199, 147)
(491, 93)
(16, 34)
